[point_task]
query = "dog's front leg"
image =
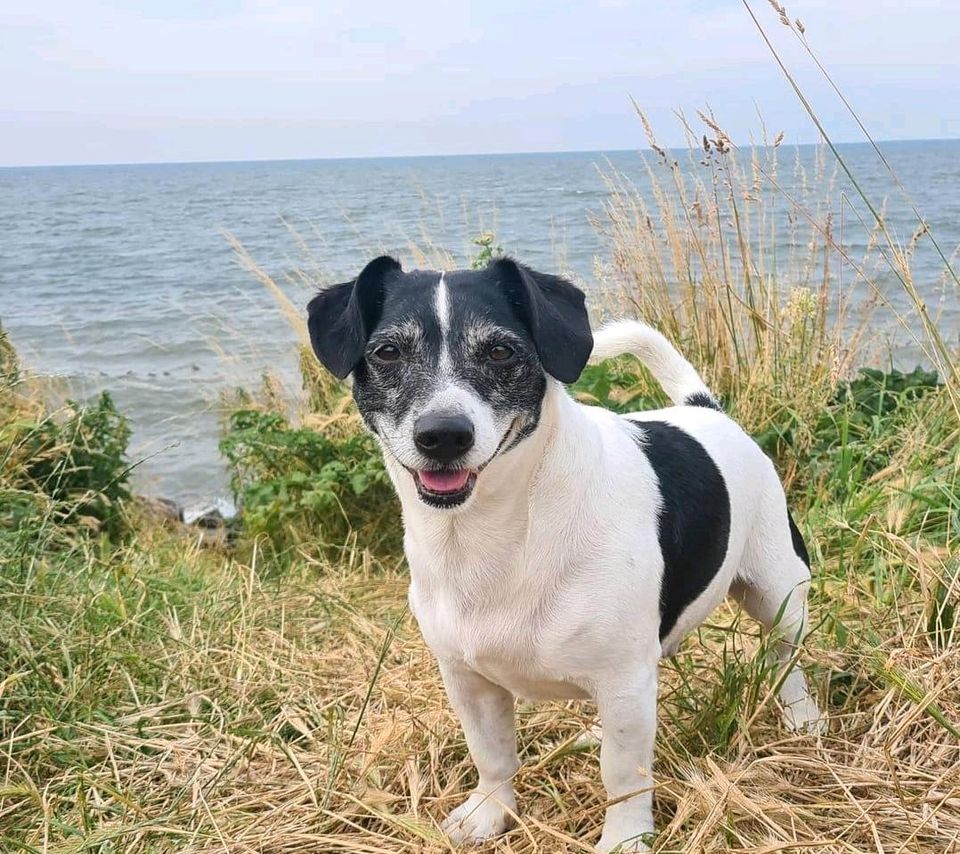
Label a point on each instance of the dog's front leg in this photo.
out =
(486, 714)
(628, 716)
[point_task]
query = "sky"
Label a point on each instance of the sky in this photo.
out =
(104, 81)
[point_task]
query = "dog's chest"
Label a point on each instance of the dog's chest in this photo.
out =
(539, 603)
(486, 606)
(508, 643)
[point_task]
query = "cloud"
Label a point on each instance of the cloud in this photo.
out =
(266, 78)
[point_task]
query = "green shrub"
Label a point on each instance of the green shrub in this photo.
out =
(860, 431)
(298, 487)
(621, 384)
(9, 365)
(874, 394)
(73, 463)
(487, 249)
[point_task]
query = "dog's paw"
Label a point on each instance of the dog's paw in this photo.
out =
(633, 845)
(625, 834)
(804, 716)
(480, 817)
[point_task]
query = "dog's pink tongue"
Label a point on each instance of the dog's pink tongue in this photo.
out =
(444, 481)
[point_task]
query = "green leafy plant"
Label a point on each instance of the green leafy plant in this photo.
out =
(852, 439)
(299, 487)
(622, 385)
(875, 393)
(487, 250)
(76, 459)
(9, 364)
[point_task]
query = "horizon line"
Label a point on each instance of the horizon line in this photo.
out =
(364, 157)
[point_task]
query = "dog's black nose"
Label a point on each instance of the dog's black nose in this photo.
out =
(443, 437)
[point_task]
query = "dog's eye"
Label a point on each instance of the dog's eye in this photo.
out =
(387, 353)
(500, 353)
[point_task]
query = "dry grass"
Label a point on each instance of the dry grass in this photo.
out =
(697, 257)
(306, 715)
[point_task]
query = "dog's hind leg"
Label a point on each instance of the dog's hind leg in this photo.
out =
(628, 713)
(772, 586)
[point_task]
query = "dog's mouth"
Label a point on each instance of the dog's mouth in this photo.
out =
(445, 487)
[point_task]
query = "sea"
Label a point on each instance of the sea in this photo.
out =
(124, 277)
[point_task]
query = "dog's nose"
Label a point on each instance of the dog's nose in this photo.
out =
(443, 437)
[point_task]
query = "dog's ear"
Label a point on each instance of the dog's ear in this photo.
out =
(342, 317)
(555, 313)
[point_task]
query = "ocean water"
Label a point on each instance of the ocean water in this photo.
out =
(121, 277)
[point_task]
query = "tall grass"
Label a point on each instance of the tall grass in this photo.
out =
(697, 257)
(896, 256)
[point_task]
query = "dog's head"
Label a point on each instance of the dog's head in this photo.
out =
(449, 370)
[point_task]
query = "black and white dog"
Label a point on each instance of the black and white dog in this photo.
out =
(556, 550)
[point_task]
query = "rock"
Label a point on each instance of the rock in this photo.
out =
(215, 512)
(162, 508)
(212, 521)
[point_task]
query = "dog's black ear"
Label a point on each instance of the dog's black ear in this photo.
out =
(555, 313)
(342, 317)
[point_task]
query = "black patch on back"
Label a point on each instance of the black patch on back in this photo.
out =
(701, 398)
(694, 520)
(799, 546)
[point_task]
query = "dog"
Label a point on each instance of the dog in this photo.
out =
(557, 550)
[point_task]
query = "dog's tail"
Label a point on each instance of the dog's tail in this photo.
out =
(678, 377)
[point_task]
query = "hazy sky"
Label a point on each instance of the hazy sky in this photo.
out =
(103, 81)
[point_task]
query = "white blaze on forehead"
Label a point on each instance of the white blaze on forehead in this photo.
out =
(441, 305)
(443, 392)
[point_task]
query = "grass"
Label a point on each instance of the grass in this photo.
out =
(156, 696)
